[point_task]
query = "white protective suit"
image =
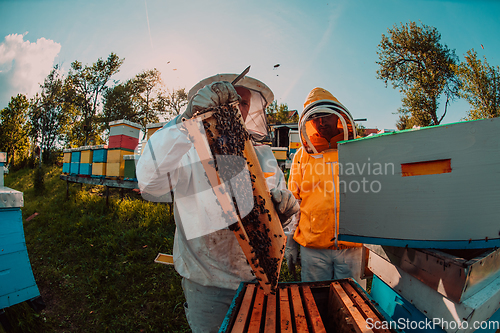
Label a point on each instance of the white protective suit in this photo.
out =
(170, 160)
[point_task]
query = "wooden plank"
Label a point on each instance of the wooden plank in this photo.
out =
(243, 313)
(285, 315)
(352, 319)
(365, 309)
(101, 181)
(271, 315)
(298, 309)
(317, 325)
(256, 319)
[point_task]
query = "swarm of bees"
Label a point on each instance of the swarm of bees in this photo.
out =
(226, 135)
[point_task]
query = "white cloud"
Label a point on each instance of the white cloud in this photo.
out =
(24, 65)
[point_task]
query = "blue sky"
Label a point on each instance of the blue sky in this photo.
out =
(328, 44)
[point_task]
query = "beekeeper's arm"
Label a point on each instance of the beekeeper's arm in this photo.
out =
(159, 166)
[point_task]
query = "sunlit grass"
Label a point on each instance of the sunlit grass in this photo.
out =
(93, 262)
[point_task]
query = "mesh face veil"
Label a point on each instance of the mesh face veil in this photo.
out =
(260, 97)
(255, 121)
(323, 124)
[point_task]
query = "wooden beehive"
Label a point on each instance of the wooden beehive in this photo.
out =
(327, 306)
(17, 282)
(115, 166)
(152, 128)
(422, 188)
(259, 233)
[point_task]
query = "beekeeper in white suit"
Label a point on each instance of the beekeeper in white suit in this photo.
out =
(212, 264)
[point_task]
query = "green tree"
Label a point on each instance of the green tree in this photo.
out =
(173, 102)
(88, 85)
(414, 60)
(50, 114)
(480, 86)
(146, 96)
(279, 114)
(14, 128)
(118, 104)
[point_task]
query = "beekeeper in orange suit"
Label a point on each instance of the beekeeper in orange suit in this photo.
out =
(314, 181)
(206, 253)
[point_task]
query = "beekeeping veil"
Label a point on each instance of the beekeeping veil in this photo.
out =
(261, 97)
(322, 109)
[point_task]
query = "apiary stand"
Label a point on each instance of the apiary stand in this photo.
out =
(443, 287)
(270, 223)
(17, 283)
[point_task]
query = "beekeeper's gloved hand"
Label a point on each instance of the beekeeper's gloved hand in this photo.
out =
(213, 94)
(285, 203)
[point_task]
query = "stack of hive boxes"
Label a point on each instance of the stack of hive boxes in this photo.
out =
(17, 283)
(74, 168)
(123, 140)
(3, 160)
(131, 160)
(99, 159)
(86, 161)
(66, 161)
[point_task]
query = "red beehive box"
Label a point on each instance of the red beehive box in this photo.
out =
(123, 141)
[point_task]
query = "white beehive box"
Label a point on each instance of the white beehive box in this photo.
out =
(436, 187)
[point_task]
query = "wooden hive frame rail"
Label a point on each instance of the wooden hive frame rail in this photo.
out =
(290, 309)
(338, 306)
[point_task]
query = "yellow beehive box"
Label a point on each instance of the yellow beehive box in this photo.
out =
(280, 153)
(86, 155)
(116, 155)
(151, 128)
(115, 170)
(67, 156)
(99, 169)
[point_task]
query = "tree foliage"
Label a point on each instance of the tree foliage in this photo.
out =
(118, 104)
(280, 114)
(14, 127)
(174, 102)
(88, 84)
(413, 59)
(480, 86)
(49, 113)
(146, 96)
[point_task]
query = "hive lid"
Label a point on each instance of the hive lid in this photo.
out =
(124, 122)
(156, 125)
(99, 147)
(131, 157)
(10, 198)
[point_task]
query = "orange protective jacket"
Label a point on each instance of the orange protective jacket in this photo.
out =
(314, 180)
(314, 177)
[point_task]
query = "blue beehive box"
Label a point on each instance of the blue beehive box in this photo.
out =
(74, 168)
(17, 283)
(85, 169)
(66, 167)
(75, 156)
(100, 154)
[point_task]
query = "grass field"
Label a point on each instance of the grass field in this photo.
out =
(94, 263)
